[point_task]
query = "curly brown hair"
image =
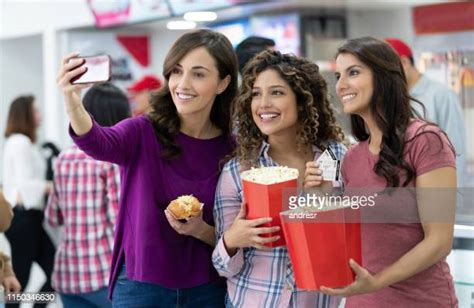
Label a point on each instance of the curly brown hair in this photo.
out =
(315, 113)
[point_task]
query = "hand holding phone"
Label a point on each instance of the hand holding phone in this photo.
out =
(97, 69)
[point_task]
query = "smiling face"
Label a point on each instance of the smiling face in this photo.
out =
(194, 83)
(273, 105)
(355, 86)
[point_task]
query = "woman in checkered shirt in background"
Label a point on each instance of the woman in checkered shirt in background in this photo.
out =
(284, 118)
(85, 203)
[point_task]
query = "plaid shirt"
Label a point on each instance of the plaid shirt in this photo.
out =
(85, 203)
(258, 278)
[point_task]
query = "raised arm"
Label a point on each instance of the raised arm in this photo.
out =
(80, 119)
(113, 144)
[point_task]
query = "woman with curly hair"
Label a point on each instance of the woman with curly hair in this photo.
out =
(175, 150)
(403, 260)
(283, 117)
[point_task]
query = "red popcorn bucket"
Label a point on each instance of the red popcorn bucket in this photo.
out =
(320, 246)
(266, 200)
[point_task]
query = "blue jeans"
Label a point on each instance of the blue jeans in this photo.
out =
(86, 300)
(129, 293)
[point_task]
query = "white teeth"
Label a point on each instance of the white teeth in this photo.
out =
(185, 96)
(268, 115)
(348, 97)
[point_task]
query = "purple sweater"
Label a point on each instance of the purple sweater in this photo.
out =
(151, 249)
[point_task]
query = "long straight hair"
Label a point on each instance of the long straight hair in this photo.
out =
(21, 118)
(389, 105)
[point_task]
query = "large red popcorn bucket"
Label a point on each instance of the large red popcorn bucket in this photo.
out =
(320, 246)
(266, 200)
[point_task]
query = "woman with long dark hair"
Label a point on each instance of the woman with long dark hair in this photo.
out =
(403, 257)
(25, 187)
(175, 150)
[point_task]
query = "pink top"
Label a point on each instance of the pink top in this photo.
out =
(385, 243)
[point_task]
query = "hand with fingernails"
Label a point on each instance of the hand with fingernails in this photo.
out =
(194, 226)
(72, 93)
(365, 282)
(191, 227)
(314, 182)
(247, 233)
(313, 176)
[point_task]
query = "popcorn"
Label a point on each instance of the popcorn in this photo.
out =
(270, 175)
(263, 193)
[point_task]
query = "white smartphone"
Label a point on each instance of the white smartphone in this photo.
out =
(97, 70)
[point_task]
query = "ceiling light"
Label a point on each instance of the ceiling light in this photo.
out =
(200, 16)
(180, 25)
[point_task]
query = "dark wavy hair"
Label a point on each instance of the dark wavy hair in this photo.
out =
(315, 114)
(164, 115)
(390, 106)
(21, 119)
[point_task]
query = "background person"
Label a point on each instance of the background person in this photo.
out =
(8, 281)
(24, 171)
(85, 203)
(250, 47)
(6, 213)
(442, 104)
(140, 92)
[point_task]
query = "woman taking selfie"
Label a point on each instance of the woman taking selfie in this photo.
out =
(175, 150)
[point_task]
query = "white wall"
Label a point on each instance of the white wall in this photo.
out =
(161, 41)
(27, 17)
(21, 62)
(381, 23)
